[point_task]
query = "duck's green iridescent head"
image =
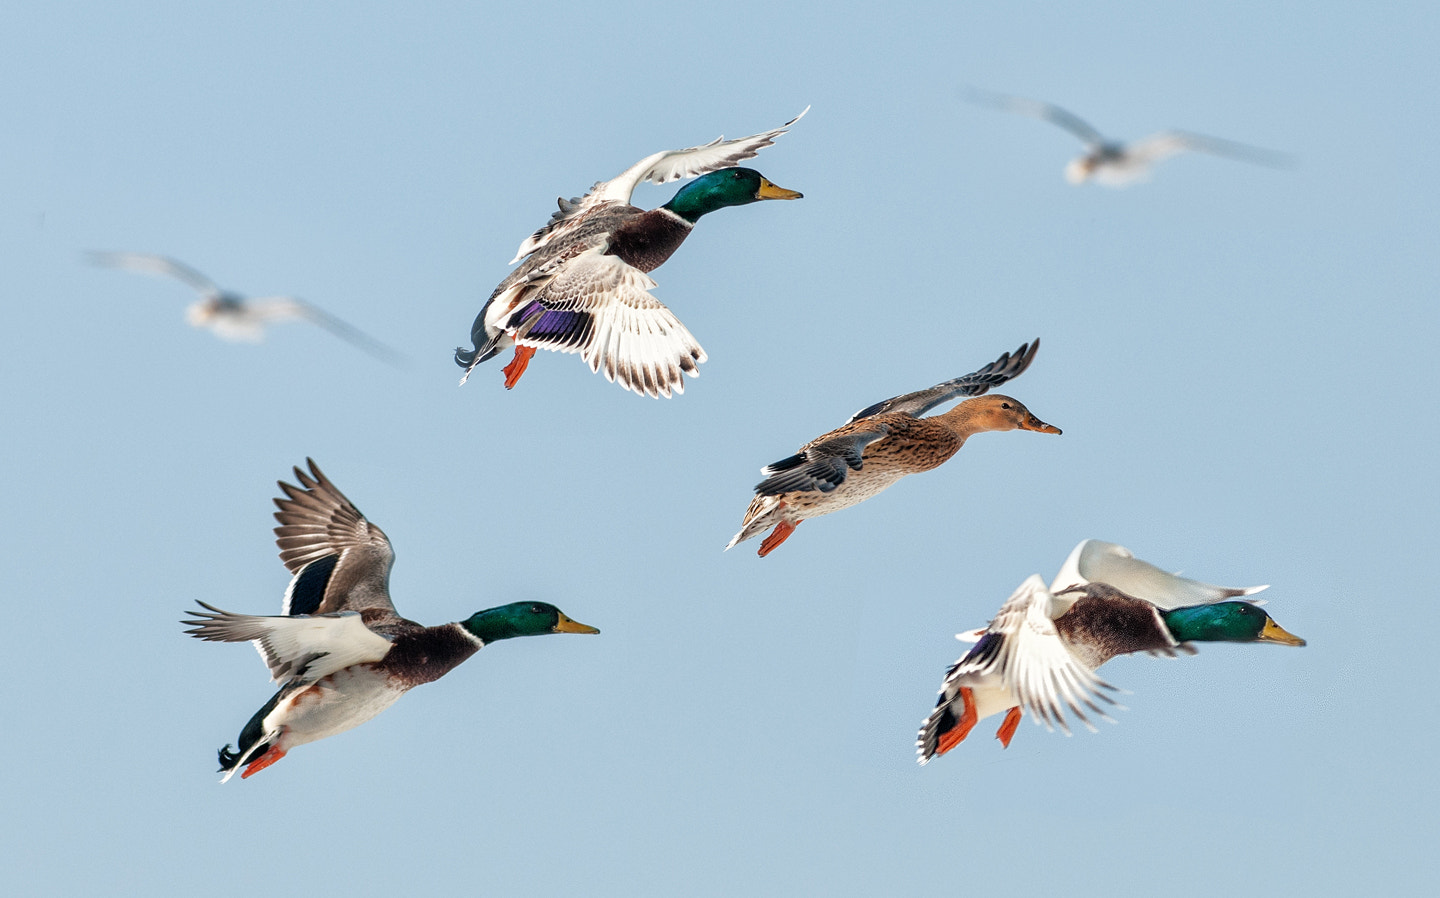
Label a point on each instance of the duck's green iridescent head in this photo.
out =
(1226, 622)
(521, 619)
(726, 187)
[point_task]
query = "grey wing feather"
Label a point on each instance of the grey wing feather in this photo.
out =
(317, 522)
(1168, 143)
(348, 332)
(1048, 112)
(713, 156)
(821, 467)
(1007, 367)
(148, 263)
(657, 168)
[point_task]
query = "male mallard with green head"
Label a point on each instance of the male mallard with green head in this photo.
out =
(585, 288)
(882, 443)
(339, 651)
(1040, 652)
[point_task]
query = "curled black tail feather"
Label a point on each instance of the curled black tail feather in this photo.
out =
(483, 352)
(253, 732)
(228, 759)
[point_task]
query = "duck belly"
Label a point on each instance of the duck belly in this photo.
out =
(991, 697)
(339, 702)
(858, 487)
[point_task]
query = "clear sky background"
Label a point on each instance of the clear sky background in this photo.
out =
(1242, 360)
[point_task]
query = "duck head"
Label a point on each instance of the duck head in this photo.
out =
(996, 412)
(521, 619)
(726, 187)
(1226, 622)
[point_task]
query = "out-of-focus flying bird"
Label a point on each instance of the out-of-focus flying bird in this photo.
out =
(1117, 164)
(235, 317)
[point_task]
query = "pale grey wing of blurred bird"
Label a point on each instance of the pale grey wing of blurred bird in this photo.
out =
(1047, 112)
(1169, 143)
(145, 263)
(1116, 164)
(279, 308)
(231, 316)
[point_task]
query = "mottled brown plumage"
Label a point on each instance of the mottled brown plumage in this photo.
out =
(882, 444)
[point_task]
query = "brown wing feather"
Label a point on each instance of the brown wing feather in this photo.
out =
(318, 522)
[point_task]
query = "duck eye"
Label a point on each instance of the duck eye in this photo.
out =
(534, 609)
(1005, 405)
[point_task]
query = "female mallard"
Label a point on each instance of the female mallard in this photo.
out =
(881, 444)
(1115, 164)
(1040, 652)
(584, 287)
(340, 652)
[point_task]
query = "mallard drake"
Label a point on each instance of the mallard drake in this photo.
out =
(231, 316)
(585, 288)
(339, 651)
(882, 443)
(1040, 652)
(1116, 164)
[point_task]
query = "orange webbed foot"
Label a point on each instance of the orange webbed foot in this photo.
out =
(517, 365)
(956, 734)
(1007, 729)
(777, 536)
(270, 757)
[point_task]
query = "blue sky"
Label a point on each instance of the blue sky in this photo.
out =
(1242, 361)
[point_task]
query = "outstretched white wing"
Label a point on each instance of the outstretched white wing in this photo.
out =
(1165, 144)
(1096, 561)
(162, 266)
(657, 168)
(299, 649)
(1023, 647)
(601, 308)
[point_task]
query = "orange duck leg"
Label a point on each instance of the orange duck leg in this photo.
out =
(517, 365)
(777, 536)
(1007, 729)
(270, 757)
(956, 734)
